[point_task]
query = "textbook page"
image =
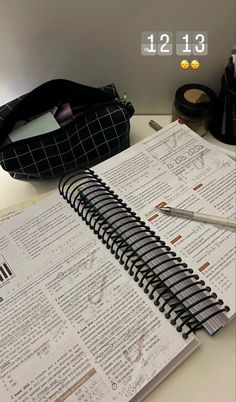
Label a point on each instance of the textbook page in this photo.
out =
(74, 324)
(176, 167)
(9, 212)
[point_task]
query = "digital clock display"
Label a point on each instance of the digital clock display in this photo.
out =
(186, 43)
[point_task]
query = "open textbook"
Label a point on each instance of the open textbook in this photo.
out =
(106, 314)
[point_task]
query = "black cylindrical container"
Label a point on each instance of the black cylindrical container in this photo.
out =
(223, 126)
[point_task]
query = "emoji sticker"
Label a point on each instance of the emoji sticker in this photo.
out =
(195, 64)
(184, 64)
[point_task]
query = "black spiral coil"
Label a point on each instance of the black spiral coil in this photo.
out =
(143, 254)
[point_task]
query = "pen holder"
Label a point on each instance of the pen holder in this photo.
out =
(223, 126)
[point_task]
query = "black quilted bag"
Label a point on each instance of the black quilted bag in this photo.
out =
(98, 131)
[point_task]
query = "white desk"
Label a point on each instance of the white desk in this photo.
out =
(209, 374)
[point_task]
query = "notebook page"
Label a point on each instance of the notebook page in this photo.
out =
(73, 323)
(177, 167)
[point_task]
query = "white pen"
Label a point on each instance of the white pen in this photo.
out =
(217, 220)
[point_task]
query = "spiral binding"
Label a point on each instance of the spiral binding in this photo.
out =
(143, 254)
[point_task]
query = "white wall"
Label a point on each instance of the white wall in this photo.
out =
(98, 41)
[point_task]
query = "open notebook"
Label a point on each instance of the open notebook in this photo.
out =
(100, 296)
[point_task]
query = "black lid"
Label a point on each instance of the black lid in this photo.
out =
(202, 104)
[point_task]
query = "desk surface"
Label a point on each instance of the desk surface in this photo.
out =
(209, 373)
